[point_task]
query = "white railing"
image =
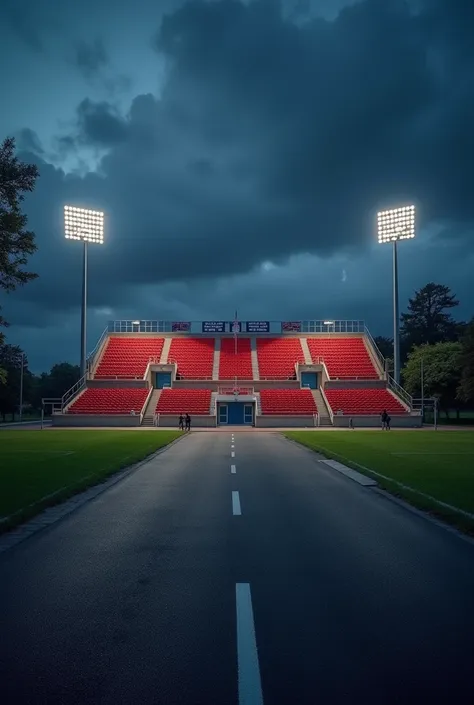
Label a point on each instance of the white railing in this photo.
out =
(379, 355)
(328, 405)
(144, 407)
(75, 389)
(91, 357)
(400, 392)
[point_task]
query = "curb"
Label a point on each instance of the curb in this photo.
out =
(51, 515)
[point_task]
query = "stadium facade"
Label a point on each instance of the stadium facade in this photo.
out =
(249, 373)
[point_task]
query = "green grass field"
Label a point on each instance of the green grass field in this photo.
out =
(436, 463)
(41, 468)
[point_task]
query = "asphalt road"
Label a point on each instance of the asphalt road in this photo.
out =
(160, 591)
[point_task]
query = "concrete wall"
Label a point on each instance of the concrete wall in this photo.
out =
(284, 421)
(83, 420)
(171, 421)
(355, 384)
(122, 383)
(407, 421)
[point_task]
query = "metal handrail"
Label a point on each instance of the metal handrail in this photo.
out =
(375, 347)
(398, 389)
(91, 356)
(328, 405)
(67, 396)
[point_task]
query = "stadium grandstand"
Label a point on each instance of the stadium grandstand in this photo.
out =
(276, 374)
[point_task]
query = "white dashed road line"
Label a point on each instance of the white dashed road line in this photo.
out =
(233, 469)
(232, 455)
(250, 684)
(236, 510)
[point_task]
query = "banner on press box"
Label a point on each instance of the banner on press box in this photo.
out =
(181, 326)
(291, 327)
(258, 326)
(213, 326)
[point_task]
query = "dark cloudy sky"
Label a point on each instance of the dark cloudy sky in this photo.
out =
(240, 151)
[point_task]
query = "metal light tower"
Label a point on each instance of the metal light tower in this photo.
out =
(88, 227)
(394, 225)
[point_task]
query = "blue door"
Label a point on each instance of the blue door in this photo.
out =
(236, 413)
(163, 379)
(309, 379)
(248, 414)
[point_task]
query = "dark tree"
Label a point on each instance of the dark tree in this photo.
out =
(385, 345)
(466, 385)
(11, 360)
(16, 243)
(427, 320)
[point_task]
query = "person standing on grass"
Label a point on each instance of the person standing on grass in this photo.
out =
(188, 422)
(181, 422)
(384, 417)
(387, 422)
(351, 423)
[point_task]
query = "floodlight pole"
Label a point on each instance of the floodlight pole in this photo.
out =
(84, 312)
(396, 317)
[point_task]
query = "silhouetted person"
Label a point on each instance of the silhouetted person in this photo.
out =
(387, 422)
(351, 423)
(188, 422)
(181, 422)
(384, 417)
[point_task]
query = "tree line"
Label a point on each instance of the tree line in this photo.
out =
(436, 348)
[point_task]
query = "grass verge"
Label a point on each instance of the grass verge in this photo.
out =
(40, 469)
(425, 469)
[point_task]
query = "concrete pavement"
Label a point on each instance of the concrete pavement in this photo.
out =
(266, 577)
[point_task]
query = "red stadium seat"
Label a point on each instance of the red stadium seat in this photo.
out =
(194, 357)
(277, 357)
(184, 401)
(364, 401)
(127, 358)
(232, 365)
(345, 358)
(288, 402)
(109, 401)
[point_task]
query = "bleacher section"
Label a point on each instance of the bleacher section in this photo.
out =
(109, 401)
(364, 401)
(232, 365)
(184, 401)
(277, 357)
(345, 358)
(194, 356)
(294, 402)
(126, 358)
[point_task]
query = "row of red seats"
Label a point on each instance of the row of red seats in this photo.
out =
(292, 402)
(343, 357)
(233, 365)
(128, 357)
(184, 401)
(363, 401)
(109, 401)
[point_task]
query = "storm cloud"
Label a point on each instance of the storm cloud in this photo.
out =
(276, 133)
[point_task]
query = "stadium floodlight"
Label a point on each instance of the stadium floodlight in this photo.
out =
(328, 323)
(394, 225)
(135, 323)
(86, 226)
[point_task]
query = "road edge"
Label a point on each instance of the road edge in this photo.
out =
(54, 514)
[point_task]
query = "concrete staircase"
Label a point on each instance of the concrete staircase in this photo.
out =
(217, 359)
(323, 413)
(253, 353)
(307, 355)
(147, 419)
(165, 353)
